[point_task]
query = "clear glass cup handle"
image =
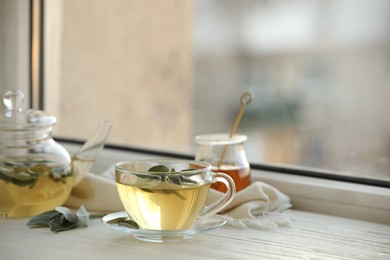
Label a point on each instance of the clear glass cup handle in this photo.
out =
(226, 198)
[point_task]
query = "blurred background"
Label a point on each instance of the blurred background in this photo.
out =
(165, 71)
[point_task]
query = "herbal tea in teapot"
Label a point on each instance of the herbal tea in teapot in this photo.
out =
(30, 190)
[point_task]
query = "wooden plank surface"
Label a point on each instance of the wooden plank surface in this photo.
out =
(310, 236)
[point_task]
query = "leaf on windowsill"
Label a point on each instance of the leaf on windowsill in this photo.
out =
(68, 214)
(43, 219)
(60, 219)
(83, 216)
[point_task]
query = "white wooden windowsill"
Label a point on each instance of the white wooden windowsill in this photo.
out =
(310, 235)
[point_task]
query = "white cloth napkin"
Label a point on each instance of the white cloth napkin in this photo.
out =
(259, 205)
(96, 193)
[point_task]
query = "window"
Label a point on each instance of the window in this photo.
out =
(166, 71)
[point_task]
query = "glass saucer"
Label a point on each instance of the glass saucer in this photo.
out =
(199, 226)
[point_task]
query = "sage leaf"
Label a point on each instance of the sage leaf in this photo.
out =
(83, 216)
(186, 179)
(186, 170)
(116, 220)
(68, 214)
(60, 219)
(43, 219)
(175, 179)
(129, 223)
(124, 221)
(57, 225)
(179, 194)
(146, 190)
(159, 168)
(20, 179)
(38, 169)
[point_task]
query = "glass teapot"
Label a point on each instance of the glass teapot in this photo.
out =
(36, 173)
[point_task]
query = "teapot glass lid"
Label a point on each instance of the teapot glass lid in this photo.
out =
(14, 117)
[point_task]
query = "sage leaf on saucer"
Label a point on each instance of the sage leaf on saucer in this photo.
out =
(122, 221)
(129, 223)
(60, 219)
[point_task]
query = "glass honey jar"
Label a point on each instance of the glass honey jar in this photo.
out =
(226, 154)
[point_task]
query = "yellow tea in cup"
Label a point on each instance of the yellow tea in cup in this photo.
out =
(169, 194)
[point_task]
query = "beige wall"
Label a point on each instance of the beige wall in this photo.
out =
(14, 46)
(123, 71)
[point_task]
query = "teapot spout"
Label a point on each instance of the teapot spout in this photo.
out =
(84, 158)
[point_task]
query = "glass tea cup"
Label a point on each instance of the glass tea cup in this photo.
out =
(169, 195)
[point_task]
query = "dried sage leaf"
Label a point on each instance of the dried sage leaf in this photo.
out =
(116, 220)
(59, 223)
(60, 219)
(129, 223)
(83, 216)
(124, 221)
(68, 214)
(43, 219)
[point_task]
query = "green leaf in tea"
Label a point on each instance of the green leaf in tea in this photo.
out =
(185, 179)
(169, 178)
(147, 190)
(177, 179)
(38, 169)
(23, 174)
(18, 176)
(159, 168)
(178, 193)
(187, 170)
